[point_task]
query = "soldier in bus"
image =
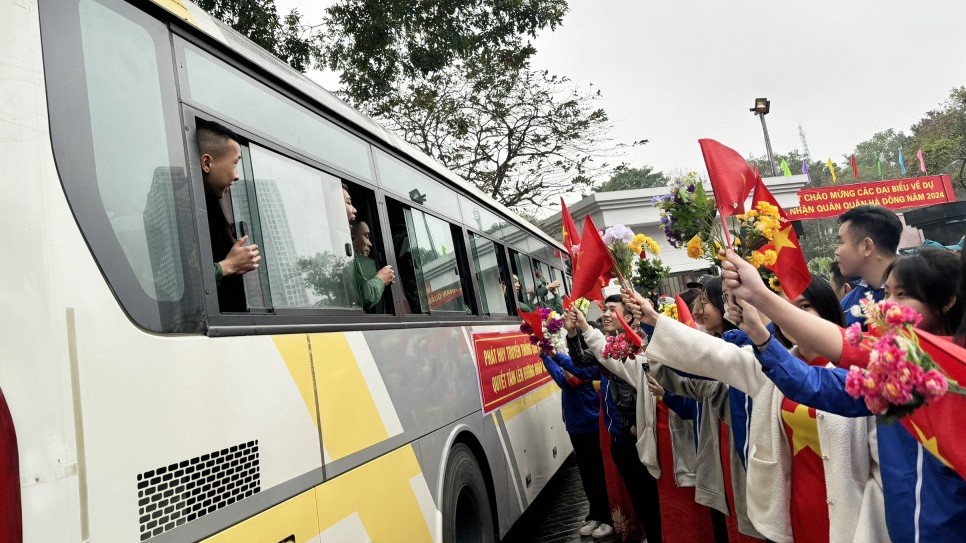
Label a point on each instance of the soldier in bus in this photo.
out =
(368, 284)
(220, 153)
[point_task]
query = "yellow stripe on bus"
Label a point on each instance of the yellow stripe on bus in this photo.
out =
(298, 517)
(350, 418)
(177, 7)
(294, 349)
(380, 493)
(524, 403)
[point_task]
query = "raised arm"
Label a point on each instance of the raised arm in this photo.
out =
(812, 332)
(554, 369)
(818, 387)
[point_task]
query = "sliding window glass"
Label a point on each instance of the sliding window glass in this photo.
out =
(427, 255)
(490, 275)
(523, 285)
(307, 247)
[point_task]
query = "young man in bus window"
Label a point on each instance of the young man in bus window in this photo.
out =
(220, 153)
(368, 285)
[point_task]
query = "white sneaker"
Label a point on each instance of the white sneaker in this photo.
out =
(589, 527)
(603, 530)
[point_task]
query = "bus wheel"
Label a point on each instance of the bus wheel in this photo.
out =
(466, 507)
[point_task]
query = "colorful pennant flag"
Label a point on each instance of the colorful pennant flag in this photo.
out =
(901, 163)
(831, 169)
(570, 235)
(684, 312)
(938, 426)
(808, 180)
(757, 175)
(855, 167)
(629, 332)
(878, 163)
(731, 177)
(922, 161)
(591, 263)
(785, 170)
(790, 267)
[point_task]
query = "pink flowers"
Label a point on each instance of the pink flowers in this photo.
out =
(619, 347)
(853, 334)
(900, 376)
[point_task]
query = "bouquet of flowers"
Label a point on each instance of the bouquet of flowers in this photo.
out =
(618, 239)
(757, 229)
(650, 271)
(669, 309)
(550, 337)
(620, 347)
(900, 375)
(688, 217)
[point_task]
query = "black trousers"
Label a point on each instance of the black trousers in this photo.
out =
(590, 464)
(642, 487)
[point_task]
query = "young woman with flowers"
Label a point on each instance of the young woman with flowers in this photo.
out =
(924, 500)
(799, 462)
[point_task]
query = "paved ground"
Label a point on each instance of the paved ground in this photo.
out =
(557, 514)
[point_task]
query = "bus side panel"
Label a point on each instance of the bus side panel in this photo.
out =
(34, 371)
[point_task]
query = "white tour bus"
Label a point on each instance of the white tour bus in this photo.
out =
(136, 406)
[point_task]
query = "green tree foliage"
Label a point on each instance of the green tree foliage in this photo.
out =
(941, 135)
(326, 275)
(821, 265)
(258, 20)
(378, 44)
(524, 136)
(633, 178)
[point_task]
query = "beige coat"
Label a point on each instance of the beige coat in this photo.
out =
(849, 449)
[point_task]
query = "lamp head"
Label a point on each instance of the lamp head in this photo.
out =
(762, 106)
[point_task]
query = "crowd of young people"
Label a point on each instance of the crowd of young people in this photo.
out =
(801, 459)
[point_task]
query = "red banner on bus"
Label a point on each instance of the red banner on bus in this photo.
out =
(895, 194)
(509, 367)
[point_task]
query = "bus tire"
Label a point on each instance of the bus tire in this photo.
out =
(467, 517)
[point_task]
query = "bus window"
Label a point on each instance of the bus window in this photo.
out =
(427, 254)
(523, 284)
(409, 183)
(214, 85)
(491, 275)
(370, 274)
(117, 139)
(307, 245)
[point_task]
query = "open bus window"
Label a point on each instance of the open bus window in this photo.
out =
(370, 275)
(524, 287)
(428, 256)
(491, 276)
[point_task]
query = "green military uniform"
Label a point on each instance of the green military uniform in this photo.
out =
(366, 287)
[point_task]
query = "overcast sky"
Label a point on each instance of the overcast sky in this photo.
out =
(673, 71)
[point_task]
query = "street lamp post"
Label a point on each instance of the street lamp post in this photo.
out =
(762, 107)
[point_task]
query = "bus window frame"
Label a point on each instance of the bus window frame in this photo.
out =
(215, 317)
(73, 156)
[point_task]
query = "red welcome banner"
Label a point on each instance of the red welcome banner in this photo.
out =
(509, 367)
(895, 194)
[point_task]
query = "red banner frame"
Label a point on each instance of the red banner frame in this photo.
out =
(509, 367)
(895, 194)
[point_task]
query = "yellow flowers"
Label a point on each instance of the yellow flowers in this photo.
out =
(640, 242)
(670, 310)
(696, 247)
(774, 284)
(759, 259)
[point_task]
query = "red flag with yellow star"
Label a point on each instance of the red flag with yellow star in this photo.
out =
(591, 263)
(938, 426)
(790, 267)
(570, 235)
